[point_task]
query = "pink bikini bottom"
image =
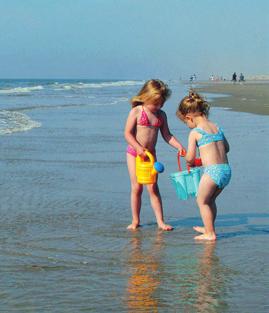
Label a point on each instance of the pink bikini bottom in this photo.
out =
(131, 151)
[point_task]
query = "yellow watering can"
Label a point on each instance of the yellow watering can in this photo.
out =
(147, 170)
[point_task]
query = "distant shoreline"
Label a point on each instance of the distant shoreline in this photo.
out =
(250, 96)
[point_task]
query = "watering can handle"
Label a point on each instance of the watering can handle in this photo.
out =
(150, 156)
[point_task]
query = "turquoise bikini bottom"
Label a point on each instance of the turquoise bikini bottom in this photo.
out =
(220, 174)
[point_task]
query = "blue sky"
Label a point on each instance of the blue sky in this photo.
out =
(133, 39)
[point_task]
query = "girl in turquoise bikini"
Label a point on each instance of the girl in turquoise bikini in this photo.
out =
(213, 147)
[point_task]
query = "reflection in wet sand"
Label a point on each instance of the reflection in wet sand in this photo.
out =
(144, 265)
(197, 281)
(211, 281)
(202, 280)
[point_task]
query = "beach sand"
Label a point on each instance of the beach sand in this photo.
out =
(251, 97)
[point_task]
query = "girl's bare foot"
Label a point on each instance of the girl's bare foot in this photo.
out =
(199, 229)
(133, 226)
(165, 227)
(211, 237)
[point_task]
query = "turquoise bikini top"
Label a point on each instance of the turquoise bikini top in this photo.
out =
(208, 138)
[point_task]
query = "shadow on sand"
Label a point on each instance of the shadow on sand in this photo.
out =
(249, 221)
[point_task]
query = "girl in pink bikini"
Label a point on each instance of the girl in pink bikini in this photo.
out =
(141, 132)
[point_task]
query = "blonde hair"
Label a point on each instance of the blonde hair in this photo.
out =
(193, 103)
(152, 90)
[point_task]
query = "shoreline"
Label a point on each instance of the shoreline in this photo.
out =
(249, 97)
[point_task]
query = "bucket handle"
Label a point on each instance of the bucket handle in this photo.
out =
(178, 162)
(197, 162)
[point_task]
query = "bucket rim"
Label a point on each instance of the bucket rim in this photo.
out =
(185, 172)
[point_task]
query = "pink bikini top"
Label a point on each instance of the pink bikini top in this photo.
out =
(144, 120)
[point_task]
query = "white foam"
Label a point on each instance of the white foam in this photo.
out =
(21, 89)
(12, 122)
(81, 85)
(71, 86)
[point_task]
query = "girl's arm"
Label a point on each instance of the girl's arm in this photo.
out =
(130, 131)
(168, 137)
(191, 153)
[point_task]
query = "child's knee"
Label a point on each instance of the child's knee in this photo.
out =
(137, 188)
(201, 200)
(152, 189)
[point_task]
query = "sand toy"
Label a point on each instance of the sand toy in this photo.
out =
(186, 182)
(147, 170)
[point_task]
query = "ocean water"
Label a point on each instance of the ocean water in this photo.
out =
(64, 196)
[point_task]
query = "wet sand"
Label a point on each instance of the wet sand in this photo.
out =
(251, 97)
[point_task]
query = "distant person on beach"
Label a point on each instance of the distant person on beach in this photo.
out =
(193, 78)
(209, 138)
(141, 132)
(241, 78)
(234, 77)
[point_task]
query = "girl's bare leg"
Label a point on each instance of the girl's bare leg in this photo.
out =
(213, 205)
(206, 200)
(156, 203)
(136, 192)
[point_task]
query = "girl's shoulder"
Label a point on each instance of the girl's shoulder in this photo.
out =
(136, 110)
(213, 124)
(195, 133)
(206, 128)
(194, 136)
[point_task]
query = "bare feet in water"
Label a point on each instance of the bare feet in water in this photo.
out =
(211, 237)
(165, 227)
(199, 229)
(205, 236)
(133, 226)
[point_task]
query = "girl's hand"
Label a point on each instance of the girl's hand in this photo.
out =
(182, 151)
(196, 162)
(141, 152)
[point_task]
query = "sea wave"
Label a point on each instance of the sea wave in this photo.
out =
(19, 90)
(12, 122)
(83, 85)
(65, 86)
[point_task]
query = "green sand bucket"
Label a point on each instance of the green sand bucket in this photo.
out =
(186, 182)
